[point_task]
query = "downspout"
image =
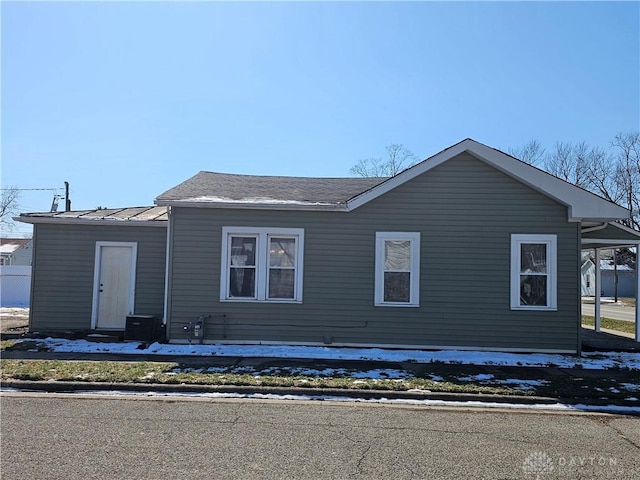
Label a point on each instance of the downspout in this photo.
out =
(595, 229)
(579, 326)
(34, 263)
(167, 274)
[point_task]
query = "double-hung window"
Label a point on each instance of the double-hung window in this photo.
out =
(533, 272)
(397, 269)
(262, 264)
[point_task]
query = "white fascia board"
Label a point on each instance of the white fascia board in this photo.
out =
(581, 203)
(80, 221)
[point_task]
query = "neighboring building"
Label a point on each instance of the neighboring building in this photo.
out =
(626, 278)
(16, 251)
(469, 249)
(588, 275)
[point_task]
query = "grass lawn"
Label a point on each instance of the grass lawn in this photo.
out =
(435, 377)
(173, 373)
(631, 302)
(611, 324)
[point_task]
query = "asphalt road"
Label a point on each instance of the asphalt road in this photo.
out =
(618, 312)
(45, 436)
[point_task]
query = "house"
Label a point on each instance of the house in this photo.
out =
(15, 271)
(469, 249)
(588, 277)
(16, 251)
(624, 275)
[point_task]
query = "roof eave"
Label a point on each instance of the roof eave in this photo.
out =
(98, 222)
(332, 207)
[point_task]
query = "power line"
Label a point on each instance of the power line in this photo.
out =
(31, 189)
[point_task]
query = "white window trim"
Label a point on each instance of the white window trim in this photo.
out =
(551, 242)
(262, 262)
(414, 294)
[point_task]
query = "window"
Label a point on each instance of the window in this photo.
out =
(261, 264)
(397, 269)
(533, 272)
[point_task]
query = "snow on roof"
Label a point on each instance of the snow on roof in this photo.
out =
(10, 245)
(608, 265)
(258, 190)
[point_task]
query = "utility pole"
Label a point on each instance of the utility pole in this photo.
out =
(67, 201)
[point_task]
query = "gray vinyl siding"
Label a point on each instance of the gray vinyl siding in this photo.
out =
(465, 212)
(63, 269)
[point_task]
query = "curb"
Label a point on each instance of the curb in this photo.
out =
(67, 387)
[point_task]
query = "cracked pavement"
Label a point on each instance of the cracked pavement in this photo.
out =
(79, 437)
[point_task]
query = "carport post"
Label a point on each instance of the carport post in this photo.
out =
(597, 297)
(637, 294)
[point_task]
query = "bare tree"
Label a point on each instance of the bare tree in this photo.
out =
(398, 159)
(571, 162)
(8, 206)
(601, 175)
(626, 147)
(613, 174)
(531, 152)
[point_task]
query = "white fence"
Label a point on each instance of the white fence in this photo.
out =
(15, 285)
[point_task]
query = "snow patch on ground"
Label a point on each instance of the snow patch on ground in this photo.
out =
(589, 360)
(517, 383)
(376, 374)
(476, 378)
(631, 387)
(520, 384)
(14, 312)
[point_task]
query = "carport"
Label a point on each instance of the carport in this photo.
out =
(607, 236)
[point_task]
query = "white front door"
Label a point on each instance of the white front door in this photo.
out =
(114, 283)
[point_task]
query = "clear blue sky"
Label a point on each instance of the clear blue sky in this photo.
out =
(125, 100)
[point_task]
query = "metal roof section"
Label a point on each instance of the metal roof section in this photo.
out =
(223, 190)
(139, 216)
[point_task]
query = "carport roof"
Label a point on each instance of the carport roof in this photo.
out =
(610, 235)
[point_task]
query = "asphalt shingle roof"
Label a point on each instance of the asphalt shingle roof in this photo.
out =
(211, 187)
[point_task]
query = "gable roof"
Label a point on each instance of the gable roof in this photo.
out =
(9, 245)
(582, 204)
(228, 190)
(140, 216)
(218, 190)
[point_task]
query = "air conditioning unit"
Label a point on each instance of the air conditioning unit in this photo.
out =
(143, 328)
